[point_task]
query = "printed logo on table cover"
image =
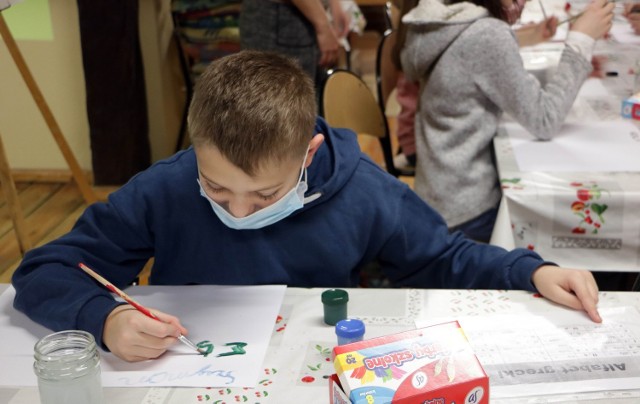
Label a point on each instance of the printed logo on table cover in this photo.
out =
(589, 207)
(589, 216)
(280, 325)
(317, 366)
(233, 395)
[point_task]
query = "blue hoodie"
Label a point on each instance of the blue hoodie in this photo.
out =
(361, 214)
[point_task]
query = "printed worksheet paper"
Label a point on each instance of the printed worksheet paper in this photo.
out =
(562, 352)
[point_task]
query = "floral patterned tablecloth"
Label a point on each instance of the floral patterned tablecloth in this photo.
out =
(581, 219)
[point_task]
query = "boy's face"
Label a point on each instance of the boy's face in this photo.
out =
(236, 191)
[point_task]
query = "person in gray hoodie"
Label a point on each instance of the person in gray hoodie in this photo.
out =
(466, 58)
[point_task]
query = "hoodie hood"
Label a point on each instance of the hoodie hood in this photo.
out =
(333, 165)
(431, 27)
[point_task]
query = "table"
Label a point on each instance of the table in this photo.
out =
(297, 363)
(581, 218)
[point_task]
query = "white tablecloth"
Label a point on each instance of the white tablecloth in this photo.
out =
(298, 362)
(583, 218)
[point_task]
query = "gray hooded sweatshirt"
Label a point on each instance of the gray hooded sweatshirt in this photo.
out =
(470, 71)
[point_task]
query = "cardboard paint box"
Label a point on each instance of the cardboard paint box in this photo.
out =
(631, 107)
(434, 365)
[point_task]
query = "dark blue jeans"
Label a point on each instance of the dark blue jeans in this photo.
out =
(480, 227)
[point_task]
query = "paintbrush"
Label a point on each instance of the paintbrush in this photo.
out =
(570, 19)
(575, 17)
(132, 302)
(544, 12)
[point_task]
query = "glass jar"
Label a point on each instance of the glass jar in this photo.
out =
(67, 364)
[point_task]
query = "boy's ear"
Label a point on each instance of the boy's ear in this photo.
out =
(314, 145)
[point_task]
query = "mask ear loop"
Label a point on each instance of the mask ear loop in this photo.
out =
(315, 196)
(304, 169)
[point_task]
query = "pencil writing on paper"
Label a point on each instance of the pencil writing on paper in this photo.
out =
(132, 302)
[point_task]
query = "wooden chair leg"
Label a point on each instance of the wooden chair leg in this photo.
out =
(10, 194)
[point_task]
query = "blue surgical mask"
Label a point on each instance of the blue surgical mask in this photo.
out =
(271, 214)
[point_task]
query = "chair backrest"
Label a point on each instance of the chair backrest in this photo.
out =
(386, 71)
(347, 102)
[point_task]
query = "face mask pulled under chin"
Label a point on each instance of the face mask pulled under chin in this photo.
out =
(283, 207)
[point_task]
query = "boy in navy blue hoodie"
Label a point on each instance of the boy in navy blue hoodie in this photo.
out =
(268, 194)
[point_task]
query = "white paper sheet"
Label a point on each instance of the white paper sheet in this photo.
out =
(562, 352)
(623, 33)
(578, 147)
(219, 314)
(592, 88)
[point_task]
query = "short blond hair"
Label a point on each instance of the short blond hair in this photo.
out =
(256, 107)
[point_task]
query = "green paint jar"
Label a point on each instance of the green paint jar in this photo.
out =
(335, 305)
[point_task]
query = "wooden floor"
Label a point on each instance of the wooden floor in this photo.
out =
(50, 210)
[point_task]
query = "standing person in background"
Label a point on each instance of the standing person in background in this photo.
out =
(407, 91)
(301, 29)
(467, 59)
(632, 12)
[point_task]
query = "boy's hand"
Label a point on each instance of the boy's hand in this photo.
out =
(132, 336)
(570, 287)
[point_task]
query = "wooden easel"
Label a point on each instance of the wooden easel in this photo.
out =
(6, 179)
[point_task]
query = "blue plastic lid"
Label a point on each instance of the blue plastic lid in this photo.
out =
(350, 328)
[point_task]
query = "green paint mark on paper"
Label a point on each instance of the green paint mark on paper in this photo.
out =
(206, 347)
(237, 348)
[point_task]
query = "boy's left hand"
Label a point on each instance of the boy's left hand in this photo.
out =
(570, 287)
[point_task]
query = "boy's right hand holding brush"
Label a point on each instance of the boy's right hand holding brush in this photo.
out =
(132, 336)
